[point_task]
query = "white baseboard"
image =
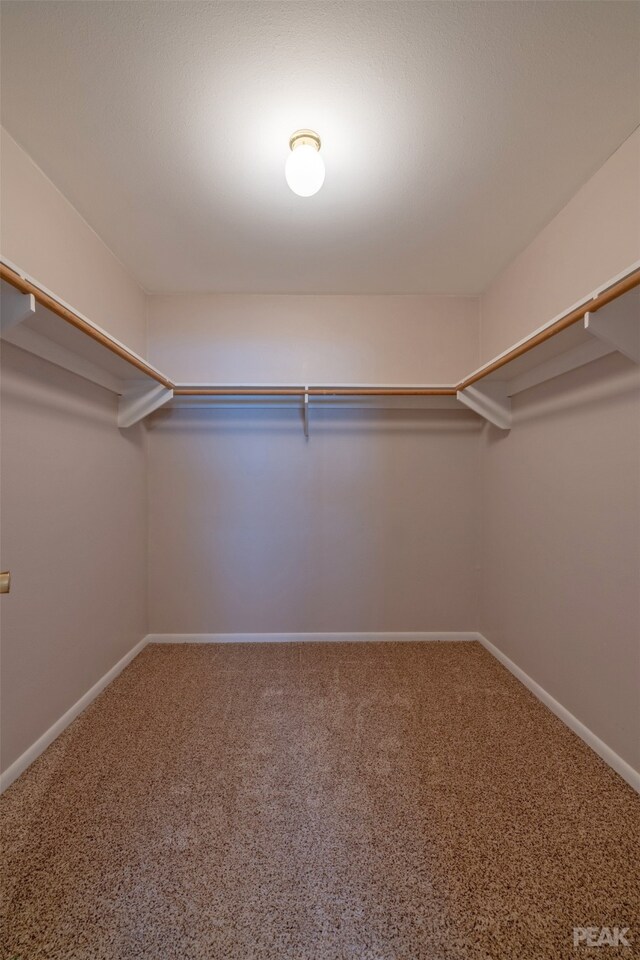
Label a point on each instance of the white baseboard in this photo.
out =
(616, 762)
(305, 637)
(34, 751)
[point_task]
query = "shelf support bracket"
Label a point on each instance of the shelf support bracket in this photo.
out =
(618, 326)
(138, 401)
(306, 412)
(16, 307)
(489, 400)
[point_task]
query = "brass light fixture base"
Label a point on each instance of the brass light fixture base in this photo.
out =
(301, 137)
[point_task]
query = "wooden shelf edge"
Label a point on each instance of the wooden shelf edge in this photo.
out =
(591, 304)
(481, 400)
(12, 276)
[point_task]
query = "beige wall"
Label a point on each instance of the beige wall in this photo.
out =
(74, 537)
(42, 234)
(307, 339)
(561, 492)
(596, 236)
(561, 545)
(371, 524)
(73, 507)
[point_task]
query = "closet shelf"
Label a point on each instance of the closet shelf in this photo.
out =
(36, 321)
(403, 397)
(606, 321)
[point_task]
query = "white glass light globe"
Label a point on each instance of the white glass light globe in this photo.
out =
(304, 170)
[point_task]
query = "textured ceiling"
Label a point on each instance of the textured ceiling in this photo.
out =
(452, 132)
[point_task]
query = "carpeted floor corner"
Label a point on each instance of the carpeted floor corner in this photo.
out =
(380, 801)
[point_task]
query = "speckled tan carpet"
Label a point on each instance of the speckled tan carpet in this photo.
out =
(317, 802)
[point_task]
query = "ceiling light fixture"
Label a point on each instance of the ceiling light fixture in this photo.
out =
(304, 168)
